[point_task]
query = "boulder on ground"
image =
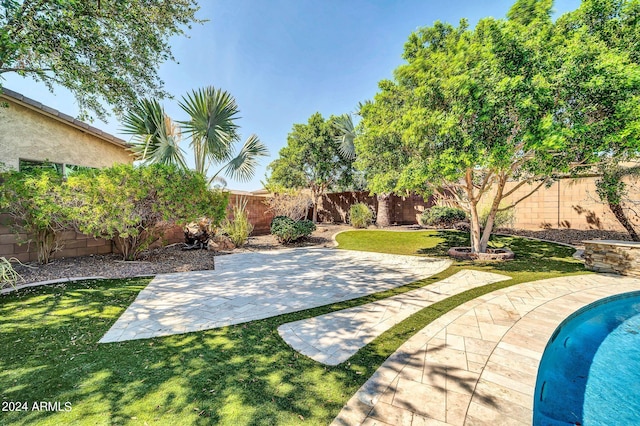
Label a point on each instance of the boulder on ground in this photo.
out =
(221, 243)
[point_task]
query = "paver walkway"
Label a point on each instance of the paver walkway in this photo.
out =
(334, 337)
(477, 364)
(250, 286)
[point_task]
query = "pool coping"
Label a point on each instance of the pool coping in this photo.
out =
(499, 384)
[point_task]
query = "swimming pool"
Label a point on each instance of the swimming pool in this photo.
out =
(590, 370)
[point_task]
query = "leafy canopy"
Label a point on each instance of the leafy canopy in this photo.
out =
(598, 80)
(100, 50)
(312, 158)
(469, 110)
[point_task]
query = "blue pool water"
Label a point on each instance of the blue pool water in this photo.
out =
(590, 370)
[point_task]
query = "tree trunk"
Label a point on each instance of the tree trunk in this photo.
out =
(488, 227)
(619, 213)
(316, 202)
(475, 227)
(382, 216)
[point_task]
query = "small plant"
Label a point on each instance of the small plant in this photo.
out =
(360, 215)
(503, 219)
(239, 228)
(442, 217)
(288, 230)
(8, 275)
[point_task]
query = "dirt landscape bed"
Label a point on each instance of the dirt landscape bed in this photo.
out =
(174, 259)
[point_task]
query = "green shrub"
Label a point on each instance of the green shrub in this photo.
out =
(442, 217)
(360, 215)
(32, 201)
(131, 205)
(239, 228)
(288, 230)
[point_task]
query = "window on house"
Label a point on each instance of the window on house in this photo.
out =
(61, 168)
(30, 165)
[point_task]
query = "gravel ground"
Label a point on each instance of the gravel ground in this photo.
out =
(575, 237)
(173, 259)
(157, 261)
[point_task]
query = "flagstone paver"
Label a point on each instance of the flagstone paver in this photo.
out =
(250, 286)
(334, 337)
(477, 364)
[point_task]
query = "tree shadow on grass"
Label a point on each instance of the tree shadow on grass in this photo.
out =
(447, 239)
(530, 255)
(243, 374)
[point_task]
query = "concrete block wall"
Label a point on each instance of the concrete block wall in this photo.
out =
(72, 244)
(258, 211)
(569, 203)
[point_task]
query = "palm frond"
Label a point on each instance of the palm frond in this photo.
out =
(346, 135)
(243, 166)
(211, 125)
(217, 182)
(156, 137)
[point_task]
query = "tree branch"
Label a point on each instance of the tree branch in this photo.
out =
(35, 70)
(523, 198)
(515, 188)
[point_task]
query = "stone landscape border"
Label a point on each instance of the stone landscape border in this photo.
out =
(609, 256)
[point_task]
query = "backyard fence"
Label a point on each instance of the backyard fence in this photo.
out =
(569, 203)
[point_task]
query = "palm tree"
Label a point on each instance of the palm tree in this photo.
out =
(156, 136)
(346, 135)
(211, 129)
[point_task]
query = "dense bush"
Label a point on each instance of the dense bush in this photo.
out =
(288, 230)
(360, 215)
(238, 228)
(442, 217)
(131, 204)
(32, 201)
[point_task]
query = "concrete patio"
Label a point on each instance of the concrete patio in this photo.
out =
(251, 286)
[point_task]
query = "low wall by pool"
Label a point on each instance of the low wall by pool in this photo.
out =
(616, 257)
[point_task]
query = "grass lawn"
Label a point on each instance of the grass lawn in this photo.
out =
(236, 375)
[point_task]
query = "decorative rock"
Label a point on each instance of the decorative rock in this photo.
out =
(223, 243)
(614, 257)
(462, 226)
(464, 253)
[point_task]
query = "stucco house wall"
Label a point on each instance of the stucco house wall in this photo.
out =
(35, 132)
(32, 131)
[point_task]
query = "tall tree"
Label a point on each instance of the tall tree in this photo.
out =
(598, 81)
(312, 159)
(379, 149)
(99, 50)
(470, 111)
(211, 128)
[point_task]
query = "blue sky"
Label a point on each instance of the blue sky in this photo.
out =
(283, 60)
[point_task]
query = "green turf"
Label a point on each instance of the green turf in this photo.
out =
(238, 375)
